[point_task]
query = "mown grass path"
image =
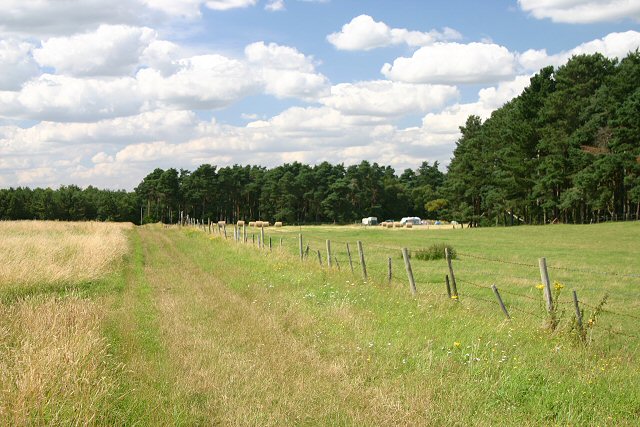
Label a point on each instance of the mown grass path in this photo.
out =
(212, 333)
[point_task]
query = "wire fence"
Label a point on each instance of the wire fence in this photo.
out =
(518, 298)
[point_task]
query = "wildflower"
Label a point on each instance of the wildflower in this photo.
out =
(454, 296)
(539, 286)
(558, 286)
(456, 344)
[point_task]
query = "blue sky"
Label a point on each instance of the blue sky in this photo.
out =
(100, 93)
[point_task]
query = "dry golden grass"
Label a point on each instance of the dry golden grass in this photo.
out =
(50, 252)
(53, 362)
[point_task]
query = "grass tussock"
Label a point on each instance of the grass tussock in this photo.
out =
(434, 252)
(50, 252)
(53, 362)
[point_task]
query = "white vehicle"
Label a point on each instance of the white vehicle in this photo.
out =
(372, 220)
(411, 220)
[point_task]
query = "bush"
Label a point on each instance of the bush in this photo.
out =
(433, 252)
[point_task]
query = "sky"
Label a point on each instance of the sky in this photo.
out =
(96, 92)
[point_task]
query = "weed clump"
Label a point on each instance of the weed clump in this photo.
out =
(433, 252)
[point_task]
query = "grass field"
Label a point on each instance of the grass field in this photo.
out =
(189, 329)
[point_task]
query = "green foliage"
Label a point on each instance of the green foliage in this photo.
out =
(433, 252)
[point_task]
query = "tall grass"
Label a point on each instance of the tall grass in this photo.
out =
(54, 366)
(51, 252)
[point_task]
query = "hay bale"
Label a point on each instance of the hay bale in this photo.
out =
(409, 225)
(240, 223)
(397, 225)
(259, 224)
(252, 223)
(266, 224)
(278, 224)
(221, 223)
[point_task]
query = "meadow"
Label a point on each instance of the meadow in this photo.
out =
(182, 327)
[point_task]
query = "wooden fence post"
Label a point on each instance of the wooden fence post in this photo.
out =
(350, 260)
(244, 233)
(337, 263)
(269, 243)
(224, 227)
(446, 280)
(306, 251)
(281, 242)
(454, 287)
(389, 273)
(362, 263)
(328, 253)
(300, 245)
(262, 237)
(407, 266)
(504, 309)
(319, 258)
(544, 276)
(576, 305)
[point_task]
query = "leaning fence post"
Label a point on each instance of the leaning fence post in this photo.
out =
(319, 258)
(362, 263)
(504, 309)
(306, 251)
(300, 245)
(446, 280)
(454, 288)
(407, 266)
(328, 253)
(576, 305)
(337, 263)
(389, 274)
(350, 260)
(544, 276)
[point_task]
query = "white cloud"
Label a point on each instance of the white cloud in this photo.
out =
(202, 82)
(16, 64)
(386, 98)
(275, 5)
(453, 63)
(285, 71)
(38, 17)
(62, 98)
(111, 50)
(582, 11)
(613, 45)
(229, 4)
(364, 33)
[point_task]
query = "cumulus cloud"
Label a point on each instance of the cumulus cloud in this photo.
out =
(201, 82)
(582, 11)
(61, 98)
(613, 45)
(285, 72)
(364, 33)
(111, 50)
(453, 63)
(16, 64)
(387, 98)
(275, 5)
(229, 4)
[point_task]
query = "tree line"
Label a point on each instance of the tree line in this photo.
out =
(566, 150)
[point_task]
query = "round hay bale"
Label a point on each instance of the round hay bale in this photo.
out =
(278, 224)
(409, 225)
(266, 224)
(222, 223)
(240, 223)
(252, 223)
(397, 225)
(259, 224)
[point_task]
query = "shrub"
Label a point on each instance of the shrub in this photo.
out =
(433, 252)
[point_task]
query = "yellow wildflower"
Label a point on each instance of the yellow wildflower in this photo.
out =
(558, 285)
(454, 296)
(539, 286)
(456, 344)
